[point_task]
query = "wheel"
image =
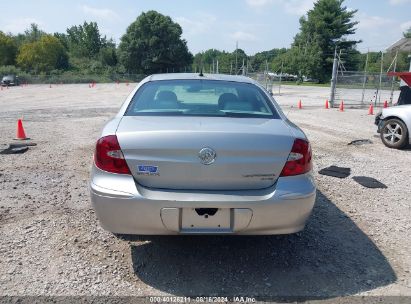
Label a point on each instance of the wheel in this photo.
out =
(394, 134)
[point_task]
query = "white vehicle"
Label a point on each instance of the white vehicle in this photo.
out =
(394, 125)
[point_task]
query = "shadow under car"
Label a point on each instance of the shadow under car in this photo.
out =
(332, 257)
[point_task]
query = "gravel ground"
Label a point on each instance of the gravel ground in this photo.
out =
(357, 241)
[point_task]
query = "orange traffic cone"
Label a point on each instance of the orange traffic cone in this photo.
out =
(326, 104)
(20, 134)
(342, 106)
(385, 104)
(300, 105)
(371, 110)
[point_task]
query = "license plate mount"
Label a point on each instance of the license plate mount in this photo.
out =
(206, 219)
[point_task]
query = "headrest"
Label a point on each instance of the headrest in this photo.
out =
(226, 97)
(166, 96)
(229, 101)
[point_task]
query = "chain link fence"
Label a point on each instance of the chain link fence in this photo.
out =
(74, 77)
(68, 78)
(263, 78)
(362, 89)
(354, 88)
(273, 82)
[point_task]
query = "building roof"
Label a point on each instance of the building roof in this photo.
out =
(403, 44)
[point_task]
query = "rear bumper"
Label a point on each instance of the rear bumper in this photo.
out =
(126, 208)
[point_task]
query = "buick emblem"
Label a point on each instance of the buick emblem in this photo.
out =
(207, 156)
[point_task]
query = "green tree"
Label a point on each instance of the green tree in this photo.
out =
(153, 44)
(204, 60)
(108, 54)
(89, 51)
(43, 55)
(238, 57)
(325, 28)
(63, 39)
(226, 61)
(32, 34)
(85, 40)
(374, 61)
(407, 33)
(8, 49)
(258, 61)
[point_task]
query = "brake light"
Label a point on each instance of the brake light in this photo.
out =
(299, 159)
(109, 157)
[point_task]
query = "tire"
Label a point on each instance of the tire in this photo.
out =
(394, 134)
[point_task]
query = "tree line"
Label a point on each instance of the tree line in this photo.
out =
(153, 44)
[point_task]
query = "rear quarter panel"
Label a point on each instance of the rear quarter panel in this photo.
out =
(111, 127)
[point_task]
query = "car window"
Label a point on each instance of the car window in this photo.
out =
(201, 98)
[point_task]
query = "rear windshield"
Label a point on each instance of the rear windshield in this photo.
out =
(201, 98)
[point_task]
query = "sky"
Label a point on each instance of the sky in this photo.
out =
(257, 25)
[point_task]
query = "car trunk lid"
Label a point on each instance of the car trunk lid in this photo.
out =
(163, 152)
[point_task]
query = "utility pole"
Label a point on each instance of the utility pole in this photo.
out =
(236, 58)
(365, 77)
(217, 68)
(281, 76)
(393, 77)
(202, 68)
(243, 69)
(334, 78)
(379, 85)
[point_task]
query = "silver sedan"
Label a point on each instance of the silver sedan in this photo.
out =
(202, 154)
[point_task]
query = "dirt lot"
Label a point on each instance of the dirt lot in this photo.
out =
(357, 241)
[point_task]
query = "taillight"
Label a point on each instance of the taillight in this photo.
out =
(299, 159)
(109, 157)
